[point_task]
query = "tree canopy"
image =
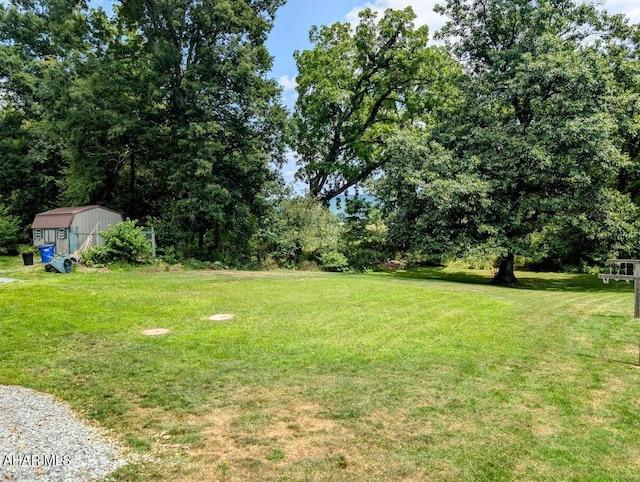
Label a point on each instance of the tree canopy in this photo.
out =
(164, 110)
(532, 149)
(520, 135)
(355, 87)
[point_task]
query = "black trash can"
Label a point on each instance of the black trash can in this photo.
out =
(27, 259)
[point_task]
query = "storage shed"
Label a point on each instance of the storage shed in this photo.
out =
(69, 228)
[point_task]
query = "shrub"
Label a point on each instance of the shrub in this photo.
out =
(363, 258)
(170, 255)
(297, 231)
(124, 242)
(418, 259)
(363, 239)
(334, 261)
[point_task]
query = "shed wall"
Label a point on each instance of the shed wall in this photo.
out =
(51, 236)
(84, 222)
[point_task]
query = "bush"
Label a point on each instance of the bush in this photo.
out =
(363, 258)
(334, 261)
(170, 255)
(420, 259)
(363, 240)
(296, 232)
(124, 242)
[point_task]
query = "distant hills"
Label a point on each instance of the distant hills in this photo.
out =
(338, 203)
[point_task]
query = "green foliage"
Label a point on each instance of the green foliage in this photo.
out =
(216, 123)
(355, 87)
(361, 259)
(334, 261)
(299, 229)
(27, 248)
(30, 157)
(531, 148)
(363, 222)
(623, 52)
(39, 41)
(167, 239)
(124, 242)
(363, 237)
(528, 145)
(9, 231)
(612, 231)
(162, 110)
(429, 196)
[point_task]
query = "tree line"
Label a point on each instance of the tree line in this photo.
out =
(516, 134)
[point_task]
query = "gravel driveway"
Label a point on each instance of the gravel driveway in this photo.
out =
(41, 439)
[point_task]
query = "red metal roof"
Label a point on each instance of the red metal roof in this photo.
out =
(60, 217)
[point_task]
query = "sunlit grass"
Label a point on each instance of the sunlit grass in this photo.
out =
(424, 375)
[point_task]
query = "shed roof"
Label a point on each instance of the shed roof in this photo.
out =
(61, 217)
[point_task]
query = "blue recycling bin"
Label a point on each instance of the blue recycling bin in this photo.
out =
(47, 251)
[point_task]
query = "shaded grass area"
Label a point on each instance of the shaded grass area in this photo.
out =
(424, 375)
(526, 280)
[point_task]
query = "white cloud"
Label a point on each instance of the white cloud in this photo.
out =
(422, 8)
(628, 7)
(289, 94)
(287, 83)
(426, 16)
(290, 157)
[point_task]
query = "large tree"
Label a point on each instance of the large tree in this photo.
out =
(532, 147)
(622, 46)
(355, 87)
(34, 37)
(107, 109)
(164, 110)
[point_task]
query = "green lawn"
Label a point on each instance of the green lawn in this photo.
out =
(425, 375)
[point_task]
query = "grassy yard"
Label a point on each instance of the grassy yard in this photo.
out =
(424, 375)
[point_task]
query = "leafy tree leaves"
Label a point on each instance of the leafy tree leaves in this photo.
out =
(354, 89)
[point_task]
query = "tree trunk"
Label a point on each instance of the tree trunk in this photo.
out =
(505, 276)
(132, 178)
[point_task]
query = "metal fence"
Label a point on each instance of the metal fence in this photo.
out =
(151, 236)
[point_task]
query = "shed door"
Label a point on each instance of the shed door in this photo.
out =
(50, 236)
(73, 242)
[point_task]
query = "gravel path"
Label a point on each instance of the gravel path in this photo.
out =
(41, 439)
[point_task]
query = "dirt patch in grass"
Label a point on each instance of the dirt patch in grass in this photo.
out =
(255, 435)
(632, 352)
(258, 443)
(297, 431)
(263, 434)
